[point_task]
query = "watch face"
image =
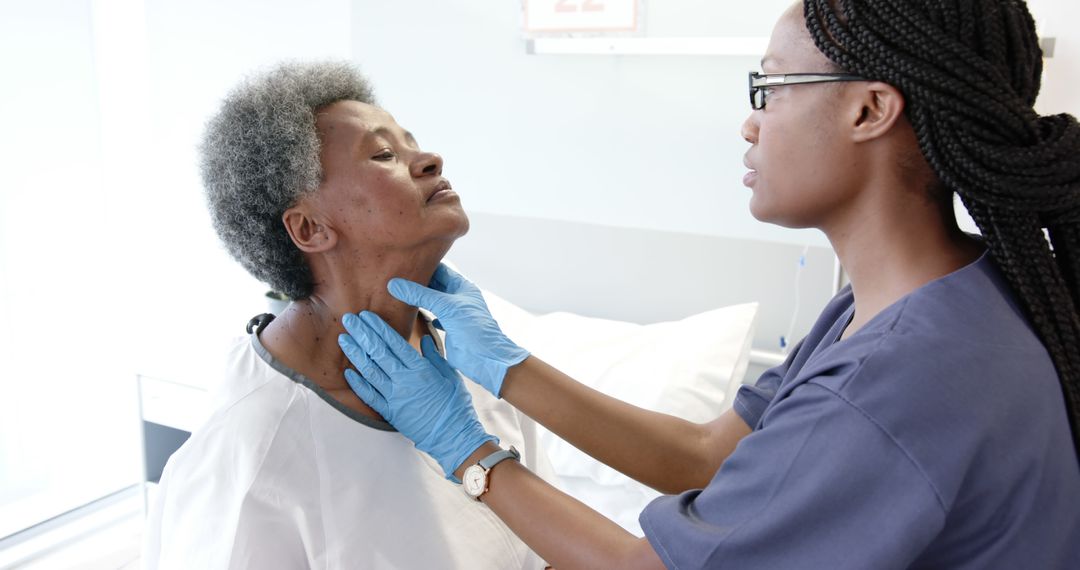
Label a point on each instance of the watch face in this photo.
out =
(473, 480)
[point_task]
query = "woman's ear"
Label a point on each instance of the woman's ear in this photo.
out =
(878, 108)
(307, 231)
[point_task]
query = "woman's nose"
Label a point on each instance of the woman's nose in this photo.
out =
(749, 130)
(427, 164)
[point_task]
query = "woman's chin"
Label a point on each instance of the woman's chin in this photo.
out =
(463, 225)
(447, 222)
(759, 209)
(764, 212)
(453, 230)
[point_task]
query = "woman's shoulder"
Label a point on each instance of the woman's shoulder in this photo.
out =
(252, 404)
(954, 373)
(964, 334)
(974, 305)
(245, 370)
(231, 465)
(958, 350)
(970, 316)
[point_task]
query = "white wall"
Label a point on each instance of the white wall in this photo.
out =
(636, 141)
(58, 286)
(1061, 73)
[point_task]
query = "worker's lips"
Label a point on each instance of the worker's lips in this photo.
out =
(749, 178)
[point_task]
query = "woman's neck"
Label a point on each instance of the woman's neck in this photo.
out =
(888, 256)
(304, 337)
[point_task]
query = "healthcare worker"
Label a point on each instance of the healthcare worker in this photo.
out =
(925, 420)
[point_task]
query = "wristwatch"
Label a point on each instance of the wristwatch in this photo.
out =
(475, 480)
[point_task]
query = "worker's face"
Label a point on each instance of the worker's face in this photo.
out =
(380, 192)
(800, 158)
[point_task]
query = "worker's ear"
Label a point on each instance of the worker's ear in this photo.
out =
(875, 109)
(308, 231)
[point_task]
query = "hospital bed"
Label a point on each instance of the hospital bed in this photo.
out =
(648, 276)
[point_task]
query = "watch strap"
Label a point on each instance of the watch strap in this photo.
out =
(492, 460)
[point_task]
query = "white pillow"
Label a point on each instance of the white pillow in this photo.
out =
(689, 368)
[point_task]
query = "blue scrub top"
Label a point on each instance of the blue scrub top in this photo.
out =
(934, 437)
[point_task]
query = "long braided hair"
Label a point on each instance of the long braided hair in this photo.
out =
(970, 71)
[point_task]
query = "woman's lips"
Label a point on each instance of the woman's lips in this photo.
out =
(748, 178)
(442, 195)
(442, 191)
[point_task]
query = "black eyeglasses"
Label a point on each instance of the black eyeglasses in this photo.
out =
(761, 82)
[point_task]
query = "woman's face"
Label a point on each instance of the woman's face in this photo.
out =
(800, 160)
(380, 192)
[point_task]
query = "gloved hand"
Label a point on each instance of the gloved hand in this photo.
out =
(474, 343)
(421, 396)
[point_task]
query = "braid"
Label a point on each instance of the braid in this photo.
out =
(1016, 172)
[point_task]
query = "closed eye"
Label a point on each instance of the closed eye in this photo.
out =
(385, 154)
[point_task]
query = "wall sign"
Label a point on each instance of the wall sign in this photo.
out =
(563, 16)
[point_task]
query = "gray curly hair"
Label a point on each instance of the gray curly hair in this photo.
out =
(260, 154)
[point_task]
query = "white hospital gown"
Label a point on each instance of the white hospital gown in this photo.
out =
(280, 477)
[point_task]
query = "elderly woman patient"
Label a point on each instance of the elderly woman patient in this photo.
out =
(319, 193)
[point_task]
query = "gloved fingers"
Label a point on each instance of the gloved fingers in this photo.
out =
(367, 392)
(357, 333)
(415, 294)
(437, 324)
(448, 281)
(431, 353)
(442, 279)
(376, 346)
(349, 346)
(383, 339)
(367, 367)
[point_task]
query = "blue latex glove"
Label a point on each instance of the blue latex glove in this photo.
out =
(474, 343)
(421, 396)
